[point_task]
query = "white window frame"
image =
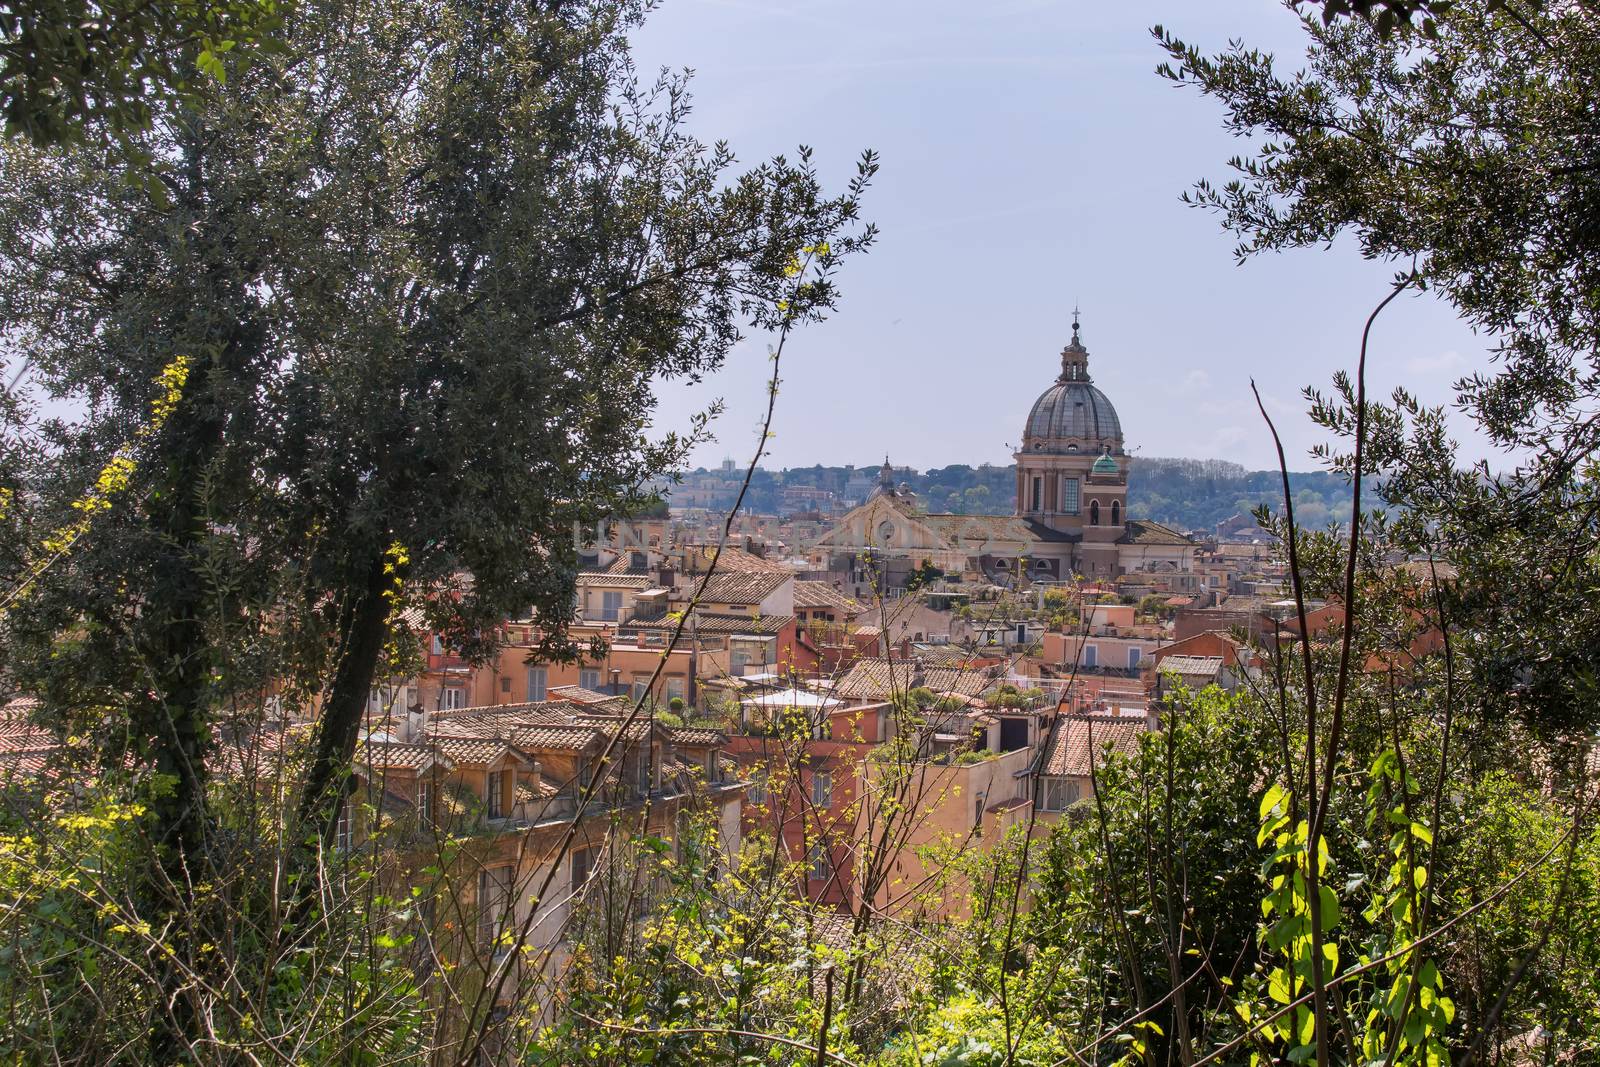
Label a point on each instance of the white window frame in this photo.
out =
(538, 685)
(453, 698)
(1071, 496)
(425, 801)
(589, 678)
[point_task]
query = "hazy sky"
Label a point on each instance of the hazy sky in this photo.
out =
(1031, 159)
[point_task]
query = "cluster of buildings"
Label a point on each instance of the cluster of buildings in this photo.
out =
(909, 682)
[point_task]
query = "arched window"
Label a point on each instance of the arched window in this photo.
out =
(1094, 513)
(1116, 513)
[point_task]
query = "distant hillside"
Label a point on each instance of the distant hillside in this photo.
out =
(1199, 493)
(1190, 494)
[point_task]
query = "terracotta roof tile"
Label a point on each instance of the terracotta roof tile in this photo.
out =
(603, 580)
(697, 736)
(1072, 748)
(880, 679)
(498, 719)
(823, 595)
(589, 698)
(394, 755)
(736, 587)
(730, 559)
(569, 738)
(1190, 665)
(714, 624)
(472, 751)
(1145, 532)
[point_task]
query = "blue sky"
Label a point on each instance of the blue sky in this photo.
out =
(1031, 159)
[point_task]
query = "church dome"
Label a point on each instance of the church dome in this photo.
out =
(1072, 414)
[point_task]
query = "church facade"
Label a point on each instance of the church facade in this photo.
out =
(1070, 516)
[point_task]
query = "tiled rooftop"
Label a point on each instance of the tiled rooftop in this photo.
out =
(1145, 532)
(1190, 665)
(880, 679)
(394, 755)
(696, 736)
(471, 751)
(736, 587)
(707, 623)
(1078, 737)
(570, 738)
(822, 595)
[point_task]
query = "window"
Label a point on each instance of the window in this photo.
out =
(758, 788)
(675, 688)
(438, 645)
(1058, 793)
(1069, 495)
(453, 698)
(538, 678)
(425, 802)
(610, 605)
(1134, 656)
(494, 900)
(1091, 656)
(582, 867)
(1116, 513)
(822, 789)
(641, 686)
(342, 833)
(820, 860)
(589, 679)
(505, 685)
(496, 794)
(1038, 492)
(1094, 513)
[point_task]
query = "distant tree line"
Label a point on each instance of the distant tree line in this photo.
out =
(1189, 494)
